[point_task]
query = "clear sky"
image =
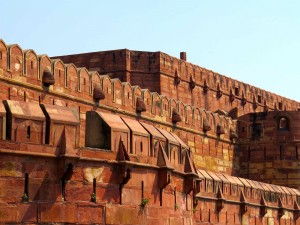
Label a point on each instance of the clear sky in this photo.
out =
(254, 41)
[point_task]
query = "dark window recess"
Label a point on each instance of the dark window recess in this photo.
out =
(28, 132)
(281, 152)
(31, 64)
(236, 91)
(280, 105)
(283, 124)
(141, 145)
(0, 55)
(259, 99)
(257, 131)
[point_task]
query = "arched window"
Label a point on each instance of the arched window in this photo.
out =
(283, 124)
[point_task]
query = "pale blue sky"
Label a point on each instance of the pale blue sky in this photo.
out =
(254, 41)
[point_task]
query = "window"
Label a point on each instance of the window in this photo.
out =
(0, 55)
(31, 64)
(259, 99)
(236, 91)
(280, 105)
(28, 132)
(283, 124)
(281, 151)
(256, 131)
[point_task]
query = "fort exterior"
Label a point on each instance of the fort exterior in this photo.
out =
(130, 137)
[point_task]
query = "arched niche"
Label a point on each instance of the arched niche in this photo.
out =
(15, 58)
(146, 95)
(189, 115)
(127, 94)
(197, 119)
(31, 66)
(165, 108)
(181, 110)
(172, 105)
(117, 91)
(136, 92)
(71, 78)
(83, 81)
(44, 62)
(95, 80)
(156, 101)
(58, 68)
(107, 89)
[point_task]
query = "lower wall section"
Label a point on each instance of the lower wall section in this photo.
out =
(231, 213)
(90, 213)
(93, 213)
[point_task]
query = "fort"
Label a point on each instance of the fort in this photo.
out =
(131, 137)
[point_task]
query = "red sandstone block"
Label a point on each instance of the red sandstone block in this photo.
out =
(8, 213)
(90, 213)
(27, 212)
(57, 212)
(112, 214)
(175, 221)
(131, 215)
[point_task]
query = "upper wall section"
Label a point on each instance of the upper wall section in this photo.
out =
(182, 81)
(65, 83)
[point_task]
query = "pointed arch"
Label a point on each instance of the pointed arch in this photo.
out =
(59, 70)
(126, 94)
(83, 80)
(95, 80)
(30, 64)
(71, 78)
(165, 108)
(106, 85)
(136, 92)
(155, 101)
(44, 62)
(117, 91)
(146, 95)
(15, 60)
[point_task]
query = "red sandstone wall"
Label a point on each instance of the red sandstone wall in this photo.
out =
(274, 158)
(156, 72)
(74, 88)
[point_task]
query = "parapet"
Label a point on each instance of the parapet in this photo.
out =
(78, 84)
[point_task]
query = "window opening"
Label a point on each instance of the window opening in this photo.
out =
(281, 149)
(259, 98)
(236, 91)
(28, 132)
(283, 124)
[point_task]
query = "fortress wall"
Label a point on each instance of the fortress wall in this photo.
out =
(74, 88)
(156, 71)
